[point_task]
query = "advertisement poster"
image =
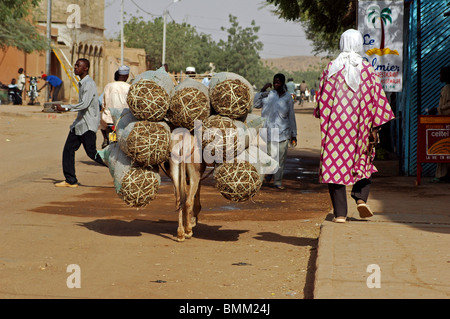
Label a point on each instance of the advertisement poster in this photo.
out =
(381, 24)
(438, 143)
(433, 139)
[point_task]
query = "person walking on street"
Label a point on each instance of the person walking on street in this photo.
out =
(291, 88)
(55, 86)
(303, 88)
(278, 112)
(83, 129)
(443, 169)
(351, 106)
(114, 96)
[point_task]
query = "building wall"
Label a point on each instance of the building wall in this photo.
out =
(134, 58)
(71, 43)
(83, 40)
(11, 59)
(416, 97)
(91, 12)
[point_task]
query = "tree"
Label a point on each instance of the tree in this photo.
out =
(184, 46)
(16, 29)
(241, 50)
(324, 21)
(384, 16)
(240, 53)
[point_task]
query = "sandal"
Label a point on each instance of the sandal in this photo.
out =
(364, 210)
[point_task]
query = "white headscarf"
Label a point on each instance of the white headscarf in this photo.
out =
(350, 59)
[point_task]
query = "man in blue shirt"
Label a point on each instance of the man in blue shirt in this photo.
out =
(55, 85)
(291, 88)
(278, 112)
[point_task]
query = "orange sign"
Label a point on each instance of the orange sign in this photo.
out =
(433, 141)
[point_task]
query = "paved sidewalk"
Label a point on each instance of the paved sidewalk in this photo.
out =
(404, 249)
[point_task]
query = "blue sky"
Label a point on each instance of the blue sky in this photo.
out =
(280, 38)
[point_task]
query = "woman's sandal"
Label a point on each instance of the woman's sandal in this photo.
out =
(340, 219)
(364, 210)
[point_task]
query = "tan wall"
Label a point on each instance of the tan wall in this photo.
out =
(12, 59)
(103, 65)
(87, 42)
(91, 12)
(133, 58)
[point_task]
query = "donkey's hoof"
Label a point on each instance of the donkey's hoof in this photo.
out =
(180, 239)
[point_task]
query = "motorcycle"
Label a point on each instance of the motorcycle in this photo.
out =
(33, 90)
(109, 135)
(14, 95)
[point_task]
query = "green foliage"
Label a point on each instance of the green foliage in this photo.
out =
(16, 30)
(186, 47)
(240, 53)
(324, 21)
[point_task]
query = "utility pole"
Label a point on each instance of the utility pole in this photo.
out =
(49, 42)
(164, 31)
(121, 34)
(164, 38)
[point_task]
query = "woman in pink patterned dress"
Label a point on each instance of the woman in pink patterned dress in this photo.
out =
(351, 106)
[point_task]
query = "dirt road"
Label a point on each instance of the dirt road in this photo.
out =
(264, 248)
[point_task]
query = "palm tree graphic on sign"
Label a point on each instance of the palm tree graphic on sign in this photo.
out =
(374, 15)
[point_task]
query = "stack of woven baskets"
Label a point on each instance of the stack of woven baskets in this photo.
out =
(143, 139)
(231, 99)
(156, 107)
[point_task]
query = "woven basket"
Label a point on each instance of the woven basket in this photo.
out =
(139, 186)
(190, 102)
(148, 101)
(220, 134)
(148, 143)
(237, 181)
(231, 95)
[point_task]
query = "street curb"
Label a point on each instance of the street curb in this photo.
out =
(324, 262)
(36, 114)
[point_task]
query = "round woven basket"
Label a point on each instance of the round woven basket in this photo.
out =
(220, 134)
(139, 186)
(187, 105)
(232, 98)
(148, 101)
(148, 143)
(237, 181)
